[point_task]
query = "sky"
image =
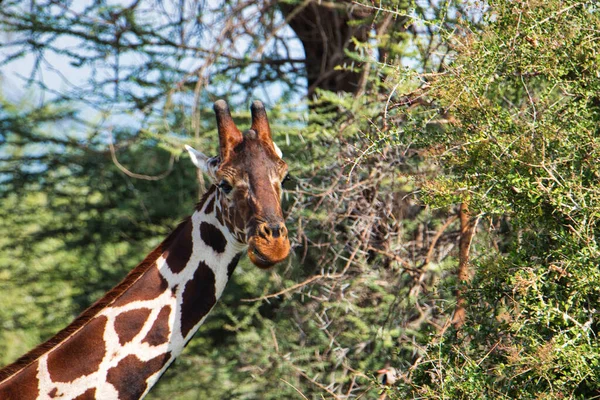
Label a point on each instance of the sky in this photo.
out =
(60, 76)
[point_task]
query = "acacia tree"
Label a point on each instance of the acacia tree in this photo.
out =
(524, 94)
(364, 288)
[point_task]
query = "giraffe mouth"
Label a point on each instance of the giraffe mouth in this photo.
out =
(259, 258)
(265, 254)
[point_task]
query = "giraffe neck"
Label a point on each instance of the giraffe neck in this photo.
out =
(119, 347)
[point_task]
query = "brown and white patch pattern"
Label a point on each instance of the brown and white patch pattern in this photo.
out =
(123, 349)
(119, 347)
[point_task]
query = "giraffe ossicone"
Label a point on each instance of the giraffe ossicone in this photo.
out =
(120, 346)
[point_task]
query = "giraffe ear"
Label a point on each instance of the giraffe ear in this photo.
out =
(199, 159)
(208, 165)
(277, 150)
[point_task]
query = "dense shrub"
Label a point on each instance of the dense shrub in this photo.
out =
(491, 108)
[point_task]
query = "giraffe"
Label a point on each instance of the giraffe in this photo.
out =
(120, 346)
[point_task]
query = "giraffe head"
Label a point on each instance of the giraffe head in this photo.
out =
(249, 173)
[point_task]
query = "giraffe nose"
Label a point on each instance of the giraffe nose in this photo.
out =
(274, 231)
(269, 244)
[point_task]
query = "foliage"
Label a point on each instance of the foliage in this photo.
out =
(523, 148)
(72, 223)
(495, 106)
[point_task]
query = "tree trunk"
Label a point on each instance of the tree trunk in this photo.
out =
(326, 31)
(464, 276)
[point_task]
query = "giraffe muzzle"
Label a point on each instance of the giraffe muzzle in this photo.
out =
(269, 245)
(272, 231)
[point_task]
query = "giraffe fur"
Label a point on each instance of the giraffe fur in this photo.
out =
(119, 347)
(108, 380)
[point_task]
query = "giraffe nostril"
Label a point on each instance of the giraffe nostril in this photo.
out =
(263, 231)
(278, 230)
(273, 231)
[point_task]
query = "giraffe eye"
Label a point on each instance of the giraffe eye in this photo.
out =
(285, 179)
(225, 186)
